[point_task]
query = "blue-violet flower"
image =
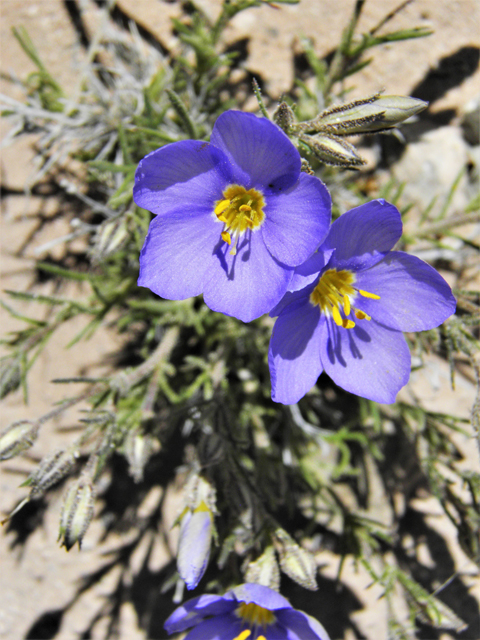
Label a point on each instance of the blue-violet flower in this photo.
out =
(233, 216)
(347, 307)
(248, 612)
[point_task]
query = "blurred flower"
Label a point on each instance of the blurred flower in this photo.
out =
(234, 216)
(355, 274)
(247, 612)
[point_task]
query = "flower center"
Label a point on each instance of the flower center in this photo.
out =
(239, 210)
(253, 615)
(334, 291)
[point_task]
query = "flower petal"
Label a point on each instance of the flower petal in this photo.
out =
(176, 254)
(369, 360)
(220, 628)
(361, 236)
(259, 148)
(307, 272)
(193, 611)
(191, 173)
(248, 284)
(260, 595)
(294, 353)
(297, 220)
(413, 296)
(302, 626)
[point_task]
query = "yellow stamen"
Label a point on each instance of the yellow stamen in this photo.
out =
(367, 294)
(239, 210)
(361, 315)
(334, 293)
(243, 635)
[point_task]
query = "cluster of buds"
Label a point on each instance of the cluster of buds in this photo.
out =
(196, 530)
(324, 135)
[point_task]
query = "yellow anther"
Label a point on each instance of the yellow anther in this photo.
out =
(346, 305)
(245, 634)
(337, 318)
(226, 237)
(361, 315)
(367, 294)
(348, 324)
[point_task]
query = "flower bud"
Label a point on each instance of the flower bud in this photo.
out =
(264, 570)
(283, 117)
(372, 114)
(138, 449)
(297, 563)
(196, 530)
(333, 150)
(51, 469)
(110, 237)
(17, 437)
(10, 375)
(77, 513)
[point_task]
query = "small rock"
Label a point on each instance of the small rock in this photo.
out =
(430, 166)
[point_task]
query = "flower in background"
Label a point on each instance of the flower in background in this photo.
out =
(247, 612)
(234, 216)
(347, 307)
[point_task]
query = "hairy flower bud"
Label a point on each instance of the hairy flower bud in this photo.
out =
(138, 449)
(10, 375)
(110, 237)
(297, 563)
(17, 437)
(333, 150)
(371, 114)
(77, 513)
(52, 469)
(264, 570)
(283, 116)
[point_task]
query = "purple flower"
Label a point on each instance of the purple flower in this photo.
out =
(234, 216)
(347, 307)
(248, 612)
